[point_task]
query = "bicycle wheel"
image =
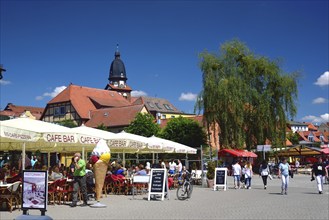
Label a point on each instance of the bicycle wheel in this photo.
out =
(181, 192)
(189, 189)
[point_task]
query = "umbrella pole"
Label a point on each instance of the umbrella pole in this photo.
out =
(124, 159)
(153, 158)
(83, 153)
(48, 161)
(23, 157)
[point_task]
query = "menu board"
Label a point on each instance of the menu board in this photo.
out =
(220, 178)
(158, 182)
(34, 190)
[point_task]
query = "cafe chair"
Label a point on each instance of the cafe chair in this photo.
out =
(11, 195)
(52, 191)
(63, 191)
(15, 178)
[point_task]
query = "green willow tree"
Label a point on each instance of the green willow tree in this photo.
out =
(144, 125)
(247, 95)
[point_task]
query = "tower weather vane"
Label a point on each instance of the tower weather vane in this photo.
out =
(1, 70)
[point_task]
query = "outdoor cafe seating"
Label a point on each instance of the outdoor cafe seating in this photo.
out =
(10, 196)
(60, 191)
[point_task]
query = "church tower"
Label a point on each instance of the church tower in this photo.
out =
(117, 77)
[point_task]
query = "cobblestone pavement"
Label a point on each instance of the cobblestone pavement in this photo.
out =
(302, 202)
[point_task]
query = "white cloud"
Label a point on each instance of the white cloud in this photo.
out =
(315, 119)
(187, 96)
(39, 97)
(323, 80)
(52, 94)
(4, 82)
(138, 93)
(320, 100)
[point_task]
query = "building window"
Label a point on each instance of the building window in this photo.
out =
(310, 138)
(151, 104)
(163, 116)
(168, 107)
(59, 111)
(157, 104)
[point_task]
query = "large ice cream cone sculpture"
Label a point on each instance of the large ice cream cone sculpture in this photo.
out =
(101, 151)
(100, 168)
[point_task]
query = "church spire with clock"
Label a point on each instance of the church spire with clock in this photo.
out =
(118, 77)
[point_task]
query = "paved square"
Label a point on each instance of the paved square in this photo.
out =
(302, 202)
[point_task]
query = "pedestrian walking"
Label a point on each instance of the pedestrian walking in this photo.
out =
(284, 168)
(236, 169)
(320, 172)
(248, 174)
(79, 180)
(264, 171)
(297, 164)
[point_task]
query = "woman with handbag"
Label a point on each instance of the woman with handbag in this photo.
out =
(264, 171)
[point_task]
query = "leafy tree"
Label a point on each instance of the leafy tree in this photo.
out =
(68, 123)
(185, 131)
(247, 95)
(144, 125)
(293, 137)
(102, 127)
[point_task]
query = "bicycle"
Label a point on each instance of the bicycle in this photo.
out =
(185, 188)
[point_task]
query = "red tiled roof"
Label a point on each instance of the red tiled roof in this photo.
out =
(127, 88)
(288, 143)
(119, 116)
(311, 126)
(18, 110)
(84, 99)
(304, 135)
(157, 104)
(133, 99)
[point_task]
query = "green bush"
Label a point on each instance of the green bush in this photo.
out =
(211, 170)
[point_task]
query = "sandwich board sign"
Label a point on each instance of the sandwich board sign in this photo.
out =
(34, 190)
(220, 178)
(158, 183)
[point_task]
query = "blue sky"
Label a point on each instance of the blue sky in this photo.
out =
(46, 45)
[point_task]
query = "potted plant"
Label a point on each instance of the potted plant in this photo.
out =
(211, 173)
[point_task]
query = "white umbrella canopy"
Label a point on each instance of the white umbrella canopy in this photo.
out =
(91, 136)
(34, 134)
(171, 146)
(166, 145)
(127, 142)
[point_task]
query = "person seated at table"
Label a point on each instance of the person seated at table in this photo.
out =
(118, 170)
(130, 171)
(55, 175)
(139, 170)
